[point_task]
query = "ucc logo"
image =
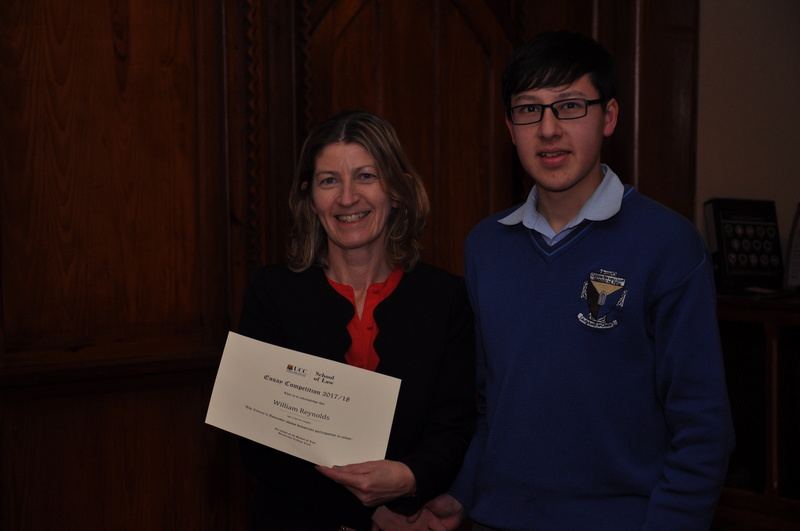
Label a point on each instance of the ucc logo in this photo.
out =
(294, 369)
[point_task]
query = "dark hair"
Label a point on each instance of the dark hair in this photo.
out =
(559, 58)
(308, 242)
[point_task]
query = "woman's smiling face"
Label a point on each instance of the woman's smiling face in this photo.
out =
(349, 199)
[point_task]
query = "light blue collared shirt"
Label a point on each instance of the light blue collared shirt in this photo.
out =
(603, 204)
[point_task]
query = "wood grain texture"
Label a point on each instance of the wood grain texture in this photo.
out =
(113, 266)
(432, 69)
(121, 454)
(103, 208)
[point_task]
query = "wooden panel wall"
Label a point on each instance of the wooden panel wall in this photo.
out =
(110, 182)
(113, 265)
(146, 150)
(433, 70)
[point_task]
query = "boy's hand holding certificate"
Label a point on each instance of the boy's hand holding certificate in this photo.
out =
(319, 410)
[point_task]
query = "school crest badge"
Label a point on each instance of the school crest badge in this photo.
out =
(604, 293)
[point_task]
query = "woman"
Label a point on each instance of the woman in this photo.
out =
(353, 291)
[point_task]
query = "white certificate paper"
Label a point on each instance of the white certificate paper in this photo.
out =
(319, 410)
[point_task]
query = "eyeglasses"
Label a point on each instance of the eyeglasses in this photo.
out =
(531, 113)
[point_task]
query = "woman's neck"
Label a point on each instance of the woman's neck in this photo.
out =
(361, 266)
(359, 271)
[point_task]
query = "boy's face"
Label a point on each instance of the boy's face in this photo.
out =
(563, 156)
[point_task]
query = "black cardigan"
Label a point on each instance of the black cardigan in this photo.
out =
(425, 338)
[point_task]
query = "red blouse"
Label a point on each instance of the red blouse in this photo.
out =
(363, 330)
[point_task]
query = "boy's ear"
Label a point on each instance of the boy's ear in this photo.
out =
(611, 115)
(510, 126)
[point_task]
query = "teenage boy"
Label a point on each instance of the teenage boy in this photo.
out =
(603, 399)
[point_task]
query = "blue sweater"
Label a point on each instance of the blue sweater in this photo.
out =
(604, 404)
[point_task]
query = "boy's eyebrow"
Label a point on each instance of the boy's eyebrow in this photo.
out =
(523, 97)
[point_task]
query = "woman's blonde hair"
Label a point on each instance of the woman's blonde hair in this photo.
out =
(308, 242)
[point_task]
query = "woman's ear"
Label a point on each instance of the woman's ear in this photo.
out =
(309, 198)
(395, 202)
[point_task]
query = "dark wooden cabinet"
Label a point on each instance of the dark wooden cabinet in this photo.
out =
(761, 344)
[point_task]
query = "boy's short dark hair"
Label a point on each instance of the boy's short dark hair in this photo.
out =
(559, 58)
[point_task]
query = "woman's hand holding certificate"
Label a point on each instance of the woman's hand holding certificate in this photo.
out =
(374, 482)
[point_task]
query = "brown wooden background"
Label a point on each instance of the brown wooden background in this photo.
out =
(146, 151)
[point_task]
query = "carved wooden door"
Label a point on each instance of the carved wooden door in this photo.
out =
(433, 70)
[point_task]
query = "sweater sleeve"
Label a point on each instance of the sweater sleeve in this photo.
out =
(451, 412)
(259, 320)
(691, 385)
(260, 315)
(463, 488)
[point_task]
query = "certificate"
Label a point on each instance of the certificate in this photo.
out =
(319, 410)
